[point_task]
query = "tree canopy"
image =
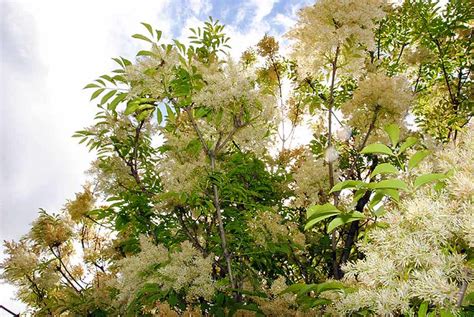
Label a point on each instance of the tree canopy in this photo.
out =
(199, 203)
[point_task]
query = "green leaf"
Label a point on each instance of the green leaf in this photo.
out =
(393, 132)
(107, 96)
(97, 93)
(328, 286)
(170, 114)
(377, 198)
(318, 302)
(344, 219)
(318, 209)
(417, 158)
(118, 99)
(91, 86)
(346, 184)
(148, 27)
(318, 213)
(159, 115)
(409, 142)
(295, 288)
(446, 313)
(427, 178)
(144, 114)
(380, 211)
(142, 37)
(392, 193)
(320, 217)
(158, 35)
(377, 148)
(132, 106)
(384, 168)
(389, 183)
(118, 61)
(359, 194)
(423, 309)
(125, 61)
(145, 53)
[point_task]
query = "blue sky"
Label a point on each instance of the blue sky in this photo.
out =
(49, 50)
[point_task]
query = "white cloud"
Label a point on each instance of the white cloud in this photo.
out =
(262, 8)
(200, 6)
(284, 20)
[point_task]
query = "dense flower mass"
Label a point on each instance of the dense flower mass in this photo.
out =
(412, 258)
(328, 27)
(311, 181)
(378, 100)
(270, 228)
(151, 75)
(184, 270)
(231, 91)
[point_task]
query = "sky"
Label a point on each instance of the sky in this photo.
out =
(49, 50)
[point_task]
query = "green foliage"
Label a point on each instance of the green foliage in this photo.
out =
(186, 156)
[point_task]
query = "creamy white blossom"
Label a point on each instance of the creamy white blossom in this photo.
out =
(183, 270)
(418, 255)
(378, 100)
(327, 26)
(311, 181)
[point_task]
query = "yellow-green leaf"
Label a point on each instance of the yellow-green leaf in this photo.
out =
(344, 219)
(384, 168)
(148, 27)
(91, 86)
(393, 132)
(118, 99)
(145, 53)
(318, 209)
(159, 115)
(97, 93)
(377, 148)
(158, 35)
(346, 184)
(142, 37)
(417, 158)
(389, 183)
(107, 96)
(409, 142)
(427, 178)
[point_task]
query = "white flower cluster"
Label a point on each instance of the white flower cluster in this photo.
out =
(268, 227)
(184, 270)
(230, 91)
(311, 182)
(386, 98)
(151, 75)
(332, 24)
(420, 55)
(227, 86)
(416, 256)
(188, 270)
(460, 159)
(180, 170)
(131, 269)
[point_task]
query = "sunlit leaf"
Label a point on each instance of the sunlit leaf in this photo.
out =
(377, 148)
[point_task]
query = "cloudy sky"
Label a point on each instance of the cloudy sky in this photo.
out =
(49, 50)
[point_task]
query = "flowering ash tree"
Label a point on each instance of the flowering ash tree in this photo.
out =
(200, 204)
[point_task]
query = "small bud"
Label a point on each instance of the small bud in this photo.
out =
(331, 154)
(344, 133)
